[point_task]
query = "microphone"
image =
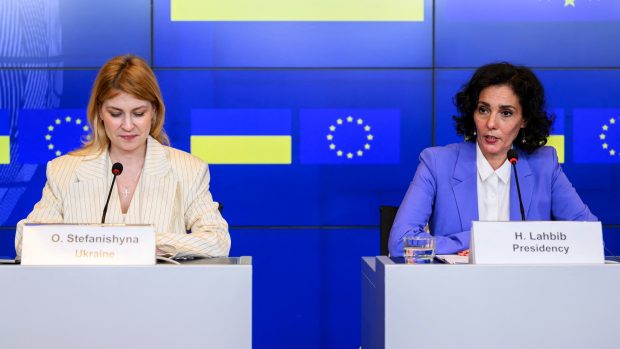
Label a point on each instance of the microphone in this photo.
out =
(117, 169)
(513, 157)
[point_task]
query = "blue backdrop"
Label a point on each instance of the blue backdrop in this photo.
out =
(307, 223)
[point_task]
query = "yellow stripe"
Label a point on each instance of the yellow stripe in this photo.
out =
(242, 149)
(297, 10)
(5, 150)
(557, 141)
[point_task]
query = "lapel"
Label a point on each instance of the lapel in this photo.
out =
(464, 184)
(526, 183)
(154, 199)
(88, 194)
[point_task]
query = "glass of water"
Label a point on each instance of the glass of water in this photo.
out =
(418, 249)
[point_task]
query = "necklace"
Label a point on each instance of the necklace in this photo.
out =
(125, 192)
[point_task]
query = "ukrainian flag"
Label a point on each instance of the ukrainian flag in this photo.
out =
(241, 136)
(297, 10)
(556, 138)
(5, 146)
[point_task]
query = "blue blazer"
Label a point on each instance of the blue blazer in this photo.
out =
(444, 194)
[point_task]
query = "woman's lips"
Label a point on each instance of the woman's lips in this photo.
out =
(128, 138)
(490, 139)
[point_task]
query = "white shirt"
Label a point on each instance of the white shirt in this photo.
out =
(493, 190)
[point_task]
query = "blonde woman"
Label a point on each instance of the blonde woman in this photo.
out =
(159, 185)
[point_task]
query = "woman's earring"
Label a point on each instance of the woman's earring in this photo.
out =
(474, 133)
(523, 139)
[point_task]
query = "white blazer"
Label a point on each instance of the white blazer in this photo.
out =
(172, 194)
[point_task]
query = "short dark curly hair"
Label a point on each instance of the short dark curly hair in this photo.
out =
(528, 89)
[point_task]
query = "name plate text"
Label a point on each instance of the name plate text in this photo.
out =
(88, 244)
(536, 242)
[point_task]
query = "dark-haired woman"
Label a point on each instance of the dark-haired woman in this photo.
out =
(501, 107)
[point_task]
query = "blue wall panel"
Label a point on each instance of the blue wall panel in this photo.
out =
(316, 219)
(306, 285)
(611, 237)
(532, 32)
(72, 33)
(290, 43)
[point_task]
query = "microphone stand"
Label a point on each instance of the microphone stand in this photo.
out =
(105, 208)
(513, 157)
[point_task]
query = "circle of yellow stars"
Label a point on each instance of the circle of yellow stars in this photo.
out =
(67, 120)
(603, 137)
(350, 154)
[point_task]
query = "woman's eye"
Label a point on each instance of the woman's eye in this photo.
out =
(115, 114)
(506, 113)
(482, 110)
(138, 114)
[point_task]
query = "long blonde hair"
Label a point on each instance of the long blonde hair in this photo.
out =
(132, 75)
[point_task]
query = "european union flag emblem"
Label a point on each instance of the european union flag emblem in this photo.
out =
(48, 133)
(597, 135)
(349, 136)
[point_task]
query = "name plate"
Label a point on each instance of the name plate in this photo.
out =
(88, 244)
(536, 242)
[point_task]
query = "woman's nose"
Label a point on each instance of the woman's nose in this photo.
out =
(127, 123)
(491, 122)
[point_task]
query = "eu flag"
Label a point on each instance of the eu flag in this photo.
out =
(596, 135)
(349, 136)
(48, 133)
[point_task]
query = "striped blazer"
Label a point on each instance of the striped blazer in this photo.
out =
(172, 194)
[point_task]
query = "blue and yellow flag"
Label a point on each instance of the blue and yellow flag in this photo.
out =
(596, 136)
(556, 139)
(5, 144)
(349, 136)
(297, 10)
(47, 133)
(241, 136)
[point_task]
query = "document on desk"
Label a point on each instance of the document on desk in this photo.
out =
(452, 258)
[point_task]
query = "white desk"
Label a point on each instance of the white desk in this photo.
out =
(164, 306)
(489, 306)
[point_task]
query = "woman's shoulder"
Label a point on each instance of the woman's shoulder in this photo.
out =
(66, 162)
(543, 160)
(182, 160)
(543, 154)
(64, 169)
(449, 151)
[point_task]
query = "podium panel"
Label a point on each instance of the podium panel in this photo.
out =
(489, 306)
(206, 303)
